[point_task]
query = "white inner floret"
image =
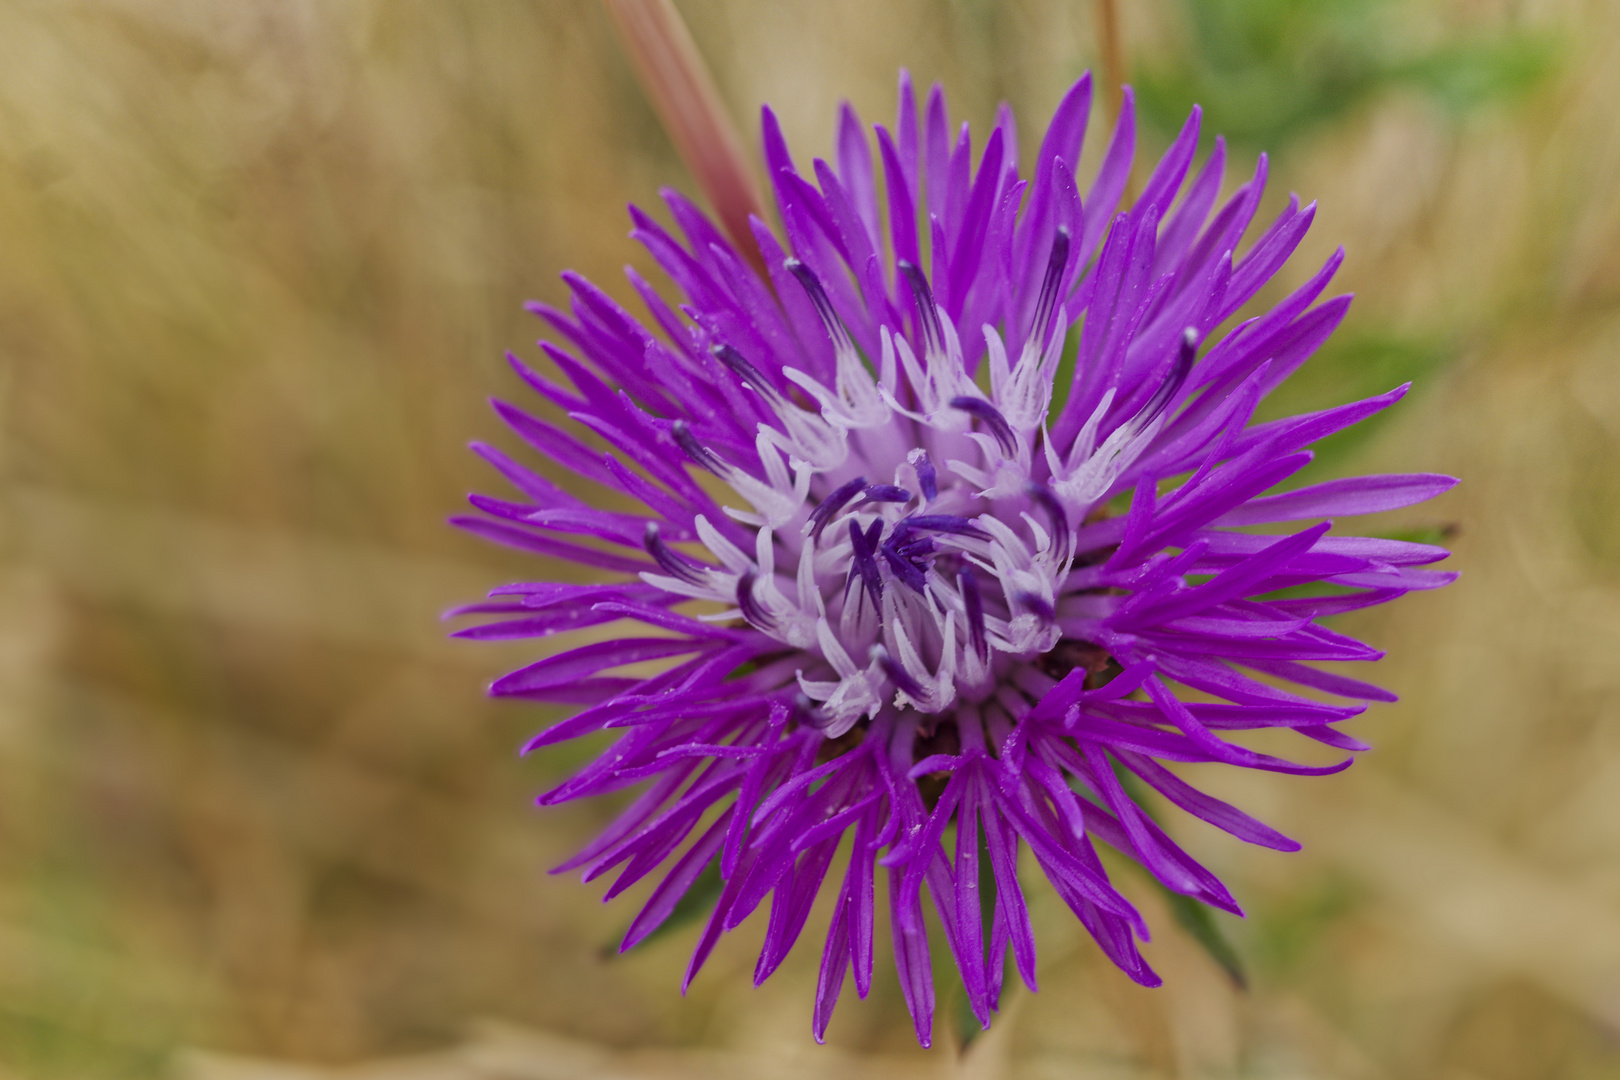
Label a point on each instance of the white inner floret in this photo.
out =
(904, 547)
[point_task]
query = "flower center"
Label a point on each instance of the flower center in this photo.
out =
(910, 539)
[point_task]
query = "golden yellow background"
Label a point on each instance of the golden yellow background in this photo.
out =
(259, 262)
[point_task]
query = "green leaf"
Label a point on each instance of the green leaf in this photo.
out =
(1198, 919)
(963, 1022)
(1269, 71)
(1469, 75)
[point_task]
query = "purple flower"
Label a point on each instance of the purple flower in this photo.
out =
(910, 587)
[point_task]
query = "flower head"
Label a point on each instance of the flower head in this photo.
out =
(942, 534)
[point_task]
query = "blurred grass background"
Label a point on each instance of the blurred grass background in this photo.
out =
(259, 262)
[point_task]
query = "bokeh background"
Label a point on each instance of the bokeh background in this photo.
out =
(259, 263)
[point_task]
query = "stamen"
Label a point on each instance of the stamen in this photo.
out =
(992, 418)
(933, 336)
(671, 561)
(907, 555)
(1037, 606)
(805, 708)
(750, 607)
(865, 551)
(945, 523)
(892, 493)
(974, 601)
(833, 503)
(1046, 307)
(749, 374)
(700, 454)
(926, 477)
(1047, 501)
(1172, 383)
(818, 299)
(898, 675)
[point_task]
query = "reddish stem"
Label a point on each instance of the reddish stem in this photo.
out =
(683, 93)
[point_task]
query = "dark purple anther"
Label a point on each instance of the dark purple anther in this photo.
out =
(695, 450)
(1172, 381)
(905, 572)
(992, 418)
(809, 712)
(897, 674)
(891, 493)
(749, 606)
(818, 299)
(927, 479)
(1037, 606)
(749, 374)
(1046, 306)
(908, 556)
(671, 561)
(1042, 496)
(833, 503)
(944, 523)
(933, 337)
(974, 602)
(865, 550)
